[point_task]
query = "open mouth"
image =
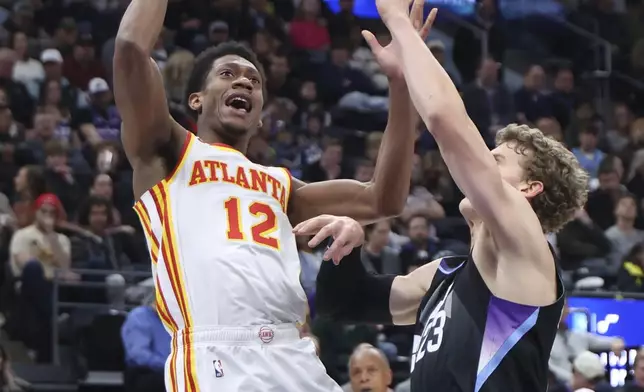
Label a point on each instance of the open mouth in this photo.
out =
(239, 101)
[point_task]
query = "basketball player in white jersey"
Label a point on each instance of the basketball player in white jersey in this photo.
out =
(219, 227)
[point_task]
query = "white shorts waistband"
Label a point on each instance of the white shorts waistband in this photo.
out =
(235, 335)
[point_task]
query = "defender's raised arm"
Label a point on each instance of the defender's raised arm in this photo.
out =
(138, 86)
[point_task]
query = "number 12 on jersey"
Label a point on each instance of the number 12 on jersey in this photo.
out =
(259, 232)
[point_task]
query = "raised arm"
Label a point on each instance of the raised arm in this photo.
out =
(138, 86)
(386, 194)
(504, 209)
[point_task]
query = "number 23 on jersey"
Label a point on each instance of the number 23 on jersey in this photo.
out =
(260, 232)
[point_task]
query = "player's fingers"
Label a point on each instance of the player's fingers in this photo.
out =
(416, 14)
(321, 235)
(311, 226)
(424, 32)
(338, 243)
(371, 41)
(344, 251)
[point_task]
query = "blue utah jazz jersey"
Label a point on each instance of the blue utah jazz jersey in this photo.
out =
(468, 340)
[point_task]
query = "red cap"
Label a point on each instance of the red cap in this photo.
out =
(49, 199)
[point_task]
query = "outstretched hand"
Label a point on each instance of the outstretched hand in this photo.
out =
(389, 56)
(346, 233)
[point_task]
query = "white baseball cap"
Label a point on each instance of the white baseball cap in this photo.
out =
(51, 56)
(589, 365)
(98, 85)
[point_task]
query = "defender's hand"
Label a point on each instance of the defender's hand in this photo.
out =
(346, 232)
(388, 57)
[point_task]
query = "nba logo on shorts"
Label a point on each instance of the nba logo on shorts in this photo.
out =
(266, 334)
(219, 369)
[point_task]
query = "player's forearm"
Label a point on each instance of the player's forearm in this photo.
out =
(393, 168)
(142, 24)
(430, 87)
(348, 293)
(441, 108)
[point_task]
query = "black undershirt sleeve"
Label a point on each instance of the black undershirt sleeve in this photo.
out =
(348, 293)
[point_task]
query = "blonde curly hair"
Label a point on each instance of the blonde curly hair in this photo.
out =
(565, 183)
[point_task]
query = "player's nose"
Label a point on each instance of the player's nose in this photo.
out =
(243, 82)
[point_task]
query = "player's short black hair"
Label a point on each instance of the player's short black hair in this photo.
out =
(203, 65)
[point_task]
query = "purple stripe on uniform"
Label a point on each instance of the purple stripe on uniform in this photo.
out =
(446, 269)
(507, 322)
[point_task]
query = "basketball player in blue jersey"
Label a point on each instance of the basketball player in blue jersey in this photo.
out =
(486, 321)
(218, 226)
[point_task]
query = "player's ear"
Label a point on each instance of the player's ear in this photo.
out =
(260, 124)
(194, 101)
(532, 188)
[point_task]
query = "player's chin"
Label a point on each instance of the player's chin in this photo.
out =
(235, 125)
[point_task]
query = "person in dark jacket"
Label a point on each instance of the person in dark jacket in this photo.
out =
(581, 240)
(631, 275)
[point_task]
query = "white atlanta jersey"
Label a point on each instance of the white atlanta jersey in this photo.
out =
(221, 244)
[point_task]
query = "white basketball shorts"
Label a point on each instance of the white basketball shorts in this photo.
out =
(245, 359)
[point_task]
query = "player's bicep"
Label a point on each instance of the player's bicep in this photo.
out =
(407, 293)
(141, 101)
(337, 197)
(503, 209)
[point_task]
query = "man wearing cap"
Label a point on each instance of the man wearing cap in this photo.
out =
(52, 61)
(101, 120)
(588, 373)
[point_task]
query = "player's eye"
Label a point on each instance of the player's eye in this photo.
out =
(254, 80)
(226, 73)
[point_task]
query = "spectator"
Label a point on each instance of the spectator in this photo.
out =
(630, 277)
(582, 243)
(218, 32)
(16, 95)
(377, 256)
(342, 23)
(329, 167)
(103, 187)
(53, 64)
(618, 137)
(588, 155)
(108, 247)
(530, 101)
(563, 96)
(147, 346)
(83, 66)
(551, 128)
(338, 78)
(26, 70)
(420, 201)
(623, 235)
(101, 121)
(602, 201)
(364, 171)
(637, 384)
(368, 370)
(569, 344)
(308, 30)
(279, 84)
(51, 102)
(36, 251)
(422, 244)
(29, 184)
(488, 102)
(588, 373)
(60, 177)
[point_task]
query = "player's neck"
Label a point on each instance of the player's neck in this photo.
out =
(211, 137)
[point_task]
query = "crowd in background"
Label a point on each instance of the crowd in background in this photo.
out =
(66, 187)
